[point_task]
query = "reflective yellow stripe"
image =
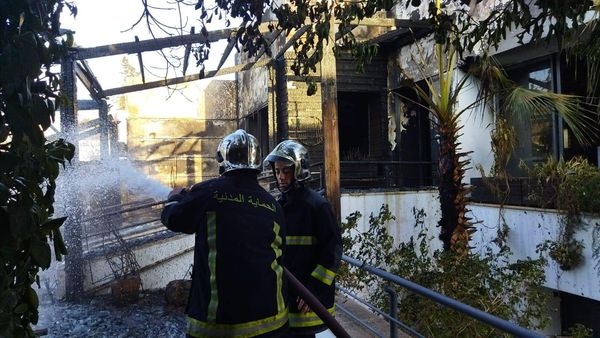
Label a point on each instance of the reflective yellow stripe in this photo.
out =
(197, 328)
(323, 274)
(276, 246)
(307, 319)
(211, 230)
(300, 240)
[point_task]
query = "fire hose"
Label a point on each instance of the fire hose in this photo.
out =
(316, 306)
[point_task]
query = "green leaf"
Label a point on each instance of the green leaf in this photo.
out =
(29, 59)
(40, 253)
(41, 112)
(59, 245)
(60, 150)
(32, 298)
(8, 299)
(4, 193)
(52, 225)
(6, 324)
(21, 223)
(8, 161)
(21, 308)
(53, 169)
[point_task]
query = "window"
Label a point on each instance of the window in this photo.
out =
(535, 133)
(574, 80)
(546, 134)
(354, 113)
(415, 142)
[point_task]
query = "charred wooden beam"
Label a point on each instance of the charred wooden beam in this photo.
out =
(150, 45)
(329, 109)
(85, 75)
(87, 105)
(140, 61)
(227, 51)
(213, 73)
(292, 40)
(389, 22)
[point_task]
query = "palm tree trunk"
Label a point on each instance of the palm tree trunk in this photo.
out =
(456, 228)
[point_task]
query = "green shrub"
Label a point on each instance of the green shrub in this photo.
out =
(572, 187)
(489, 281)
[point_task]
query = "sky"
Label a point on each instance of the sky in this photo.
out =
(110, 21)
(106, 22)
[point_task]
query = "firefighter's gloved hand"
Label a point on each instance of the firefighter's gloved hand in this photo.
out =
(302, 306)
(317, 288)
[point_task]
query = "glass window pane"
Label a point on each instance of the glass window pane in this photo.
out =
(534, 132)
(541, 125)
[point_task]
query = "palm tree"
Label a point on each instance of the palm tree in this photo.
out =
(441, 99)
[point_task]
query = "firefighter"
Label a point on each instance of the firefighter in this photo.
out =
(238, 288)
(313, 240)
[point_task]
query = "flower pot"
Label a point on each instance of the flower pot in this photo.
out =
(126, 290)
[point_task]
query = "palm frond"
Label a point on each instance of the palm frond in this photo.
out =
(589, 51)
(579, 116)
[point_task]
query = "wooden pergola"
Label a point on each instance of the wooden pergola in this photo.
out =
(75, 66)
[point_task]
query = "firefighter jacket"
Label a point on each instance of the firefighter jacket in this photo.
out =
(238, 288)
(313, 252)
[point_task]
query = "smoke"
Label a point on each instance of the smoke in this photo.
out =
(138, 183)
(112, 175)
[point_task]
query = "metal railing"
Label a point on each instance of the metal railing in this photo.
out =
(370, 175)
(113, 232)
(103, 226)
(391, 316)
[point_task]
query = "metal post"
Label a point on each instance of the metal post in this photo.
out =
(393, 310)
(104, 130)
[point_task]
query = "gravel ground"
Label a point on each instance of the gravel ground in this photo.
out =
(100, 317)
(149, 317)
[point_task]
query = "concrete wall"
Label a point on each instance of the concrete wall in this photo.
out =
(527, 228)
(177, 152)
(252, 89)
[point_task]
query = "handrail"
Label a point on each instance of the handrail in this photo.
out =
(356, 319)
(482, 316)
(122, 211)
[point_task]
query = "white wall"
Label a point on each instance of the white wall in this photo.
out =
(476, 138)
(528, 227)
(531, 226)
(160, 261)
(401, 204)
(169, 259)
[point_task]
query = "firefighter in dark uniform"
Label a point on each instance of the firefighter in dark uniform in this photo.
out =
(313, 241)
(238, 287)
